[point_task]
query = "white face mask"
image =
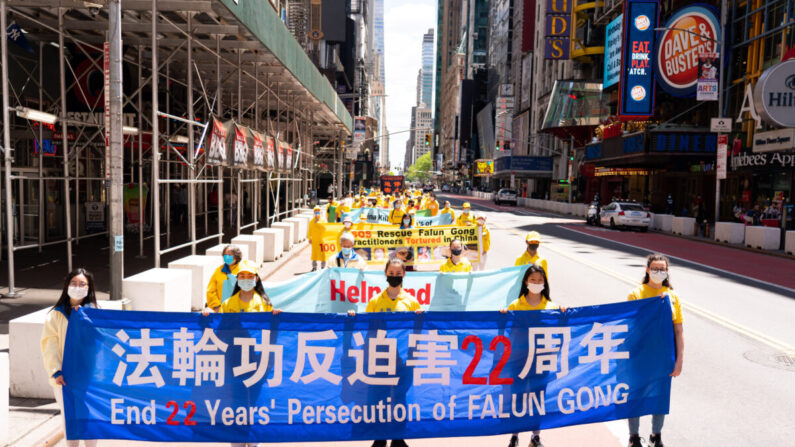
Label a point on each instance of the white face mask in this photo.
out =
(77, 293)
(535, 288)
(658, 277)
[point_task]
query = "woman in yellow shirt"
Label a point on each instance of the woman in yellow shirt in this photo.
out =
(534, 295)
(78, 291)
(393, 299)
(249, 294)
(449, 211)
(657, 283)
(457, 262)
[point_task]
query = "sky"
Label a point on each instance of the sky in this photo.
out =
(405, 21)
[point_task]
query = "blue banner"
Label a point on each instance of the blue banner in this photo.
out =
(258, 377)
(381, 215)
(340, 290)
(612, 68)
(636, 98)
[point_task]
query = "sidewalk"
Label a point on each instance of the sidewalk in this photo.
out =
(41, 424)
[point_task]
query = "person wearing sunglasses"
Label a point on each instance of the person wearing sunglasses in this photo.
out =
(657, 283)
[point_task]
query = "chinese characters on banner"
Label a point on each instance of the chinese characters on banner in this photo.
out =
(391, 184)
(258, 377)
(636, 91)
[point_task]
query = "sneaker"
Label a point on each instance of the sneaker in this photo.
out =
(514, 442)
(634, 441)
(535, 441)
(379, 444)
(398, 443)
(656, 440)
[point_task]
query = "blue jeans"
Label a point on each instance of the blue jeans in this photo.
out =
(656, 424)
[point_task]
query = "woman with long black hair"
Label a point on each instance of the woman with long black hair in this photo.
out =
(78, 291)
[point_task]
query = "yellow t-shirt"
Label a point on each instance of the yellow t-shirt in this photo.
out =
(462, 266)
(235, 305)
(526, 259)
(644, 291)
(403, 303)
(464, 220)
(451, 212)
(522, 304)
(433, 205)
(396, 216)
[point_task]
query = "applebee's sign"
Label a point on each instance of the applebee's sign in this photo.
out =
(689, 32)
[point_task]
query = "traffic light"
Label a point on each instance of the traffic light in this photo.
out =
(427, 139)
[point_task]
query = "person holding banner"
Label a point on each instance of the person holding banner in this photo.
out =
(407, 221)
(347, 257)
(314, 236)
(531, 255)
(456, 263)
(224, 279)
(248, 295)
(78, 291)
(396, 215)
(447, 209)
(485, 243)
(657, 283)
(534, 295)
(432, 205)
(466, 218)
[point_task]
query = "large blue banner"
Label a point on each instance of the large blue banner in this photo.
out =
(258, 377)
(381, 215)
(340, 290)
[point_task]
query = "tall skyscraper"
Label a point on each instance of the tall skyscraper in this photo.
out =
(427, 69)
(378, 20)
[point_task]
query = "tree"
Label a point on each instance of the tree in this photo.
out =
(421, 170)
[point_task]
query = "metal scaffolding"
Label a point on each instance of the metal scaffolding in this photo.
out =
(184, 63)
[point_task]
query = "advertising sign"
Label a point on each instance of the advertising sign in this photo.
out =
(774, 94)
(723, 144)
(257, 151)
(774, 140)
(239, 147)
(612, 71)
(294, 377)
(359, 133)
(636, 92)
(677, 51)
(707, 88)
(270, 153)
(217, 152)
(131, 195)
(280, 146)
(558, 29)
(288, 157)
(484, 167)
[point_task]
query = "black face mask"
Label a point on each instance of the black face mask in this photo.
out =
(456, 251)
(394, 281)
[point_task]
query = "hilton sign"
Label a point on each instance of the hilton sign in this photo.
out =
(773, 98)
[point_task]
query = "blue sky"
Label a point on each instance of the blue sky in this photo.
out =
(405, 21)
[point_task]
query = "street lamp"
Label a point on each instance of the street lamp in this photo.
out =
(720, 44)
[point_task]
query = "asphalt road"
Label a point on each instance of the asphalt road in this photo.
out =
(738, 382)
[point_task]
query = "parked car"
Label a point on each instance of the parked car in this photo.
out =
(505, 195)
(625, 215)
(446, 188)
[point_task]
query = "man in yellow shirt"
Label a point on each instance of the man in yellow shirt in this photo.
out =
(486, 240)
(314, 236)
(224, 278)
(531, 255)
(456, 263)
(466, 218)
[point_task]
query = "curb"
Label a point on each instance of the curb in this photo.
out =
(285, 260)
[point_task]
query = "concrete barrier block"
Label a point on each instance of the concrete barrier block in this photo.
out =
(273, 243)
(255, 246)
(159, 290)
(301, 227)
(201, 269)
(730, 232)
(4, 384)
(287, 229)
(684, 226)
(27, 377)
(218, 250)
(763, 238)
(294, 240)
(789, 242)
(664, 222)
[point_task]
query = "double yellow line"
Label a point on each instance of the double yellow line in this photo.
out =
(700, 311)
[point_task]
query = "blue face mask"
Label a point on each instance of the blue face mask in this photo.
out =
(229, 259)
(246, 284)
(347, 252)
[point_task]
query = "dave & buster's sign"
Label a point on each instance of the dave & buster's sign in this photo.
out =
(636, 98)
(688, 33)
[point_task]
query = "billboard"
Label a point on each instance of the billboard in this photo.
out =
(557, 29)
(707, 89)
(677, 51)
(612, 71)
(636, 91)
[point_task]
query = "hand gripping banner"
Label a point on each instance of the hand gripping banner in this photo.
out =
(258, 377)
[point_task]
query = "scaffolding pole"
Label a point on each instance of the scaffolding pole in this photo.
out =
(7, 154)
(116, 204)
(156, 147)
(65, 141)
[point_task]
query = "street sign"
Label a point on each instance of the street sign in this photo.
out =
(720, 125)
(723, 143)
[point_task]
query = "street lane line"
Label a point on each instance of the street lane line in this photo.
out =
(736, 327)
(727, 272)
